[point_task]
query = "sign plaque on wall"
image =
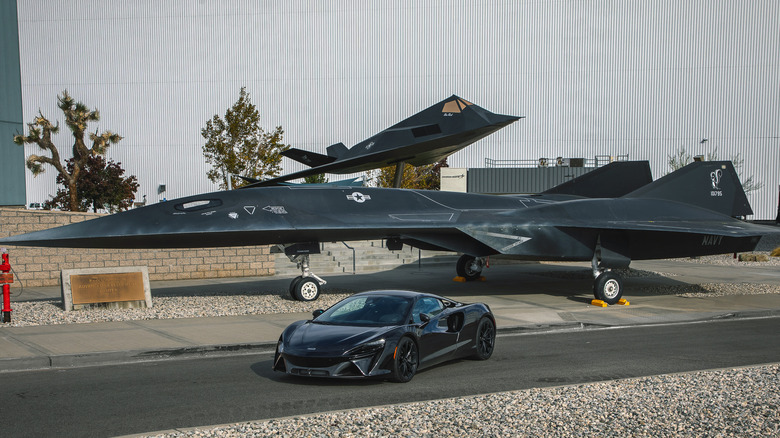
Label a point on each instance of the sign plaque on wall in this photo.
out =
(112, 287)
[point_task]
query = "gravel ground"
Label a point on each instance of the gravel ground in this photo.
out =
(742, 402)
(728, 259)
(49, 312)
(709, 289)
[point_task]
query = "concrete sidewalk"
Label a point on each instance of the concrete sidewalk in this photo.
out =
(524, 297)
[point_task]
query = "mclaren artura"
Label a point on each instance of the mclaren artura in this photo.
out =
(385, 334)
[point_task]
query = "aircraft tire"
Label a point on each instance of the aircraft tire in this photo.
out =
(608, 287)
(307, 289)
(467, 269)
(293, 284)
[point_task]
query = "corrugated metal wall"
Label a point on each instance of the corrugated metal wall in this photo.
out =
(592, 77)
(12, 184)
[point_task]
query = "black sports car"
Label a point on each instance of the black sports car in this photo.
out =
(387, 334)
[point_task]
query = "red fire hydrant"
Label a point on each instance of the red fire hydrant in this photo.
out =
(6, 278)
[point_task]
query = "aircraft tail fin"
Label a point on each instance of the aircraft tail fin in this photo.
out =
(337, 150)
(713, 185)
(611, 181)
(311, 159)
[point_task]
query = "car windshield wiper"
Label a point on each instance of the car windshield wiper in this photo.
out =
(322, 322)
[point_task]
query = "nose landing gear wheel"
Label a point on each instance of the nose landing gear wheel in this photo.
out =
(608, 287)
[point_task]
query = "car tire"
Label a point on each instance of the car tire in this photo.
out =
(307, 289)
(468, 268)
(608, 287)
(405, 360)
(486, 339)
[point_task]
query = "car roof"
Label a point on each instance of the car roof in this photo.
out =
(400, 293)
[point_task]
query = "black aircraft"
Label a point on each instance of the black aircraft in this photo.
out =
(424, 138)
(609, 216)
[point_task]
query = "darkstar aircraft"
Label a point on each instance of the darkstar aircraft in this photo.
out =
(424, 138)
(689, 212)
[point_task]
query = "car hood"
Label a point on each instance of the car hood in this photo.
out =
(313, 339)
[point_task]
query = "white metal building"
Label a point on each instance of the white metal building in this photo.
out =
(592, 77)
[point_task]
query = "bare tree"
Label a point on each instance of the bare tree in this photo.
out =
(77, 116)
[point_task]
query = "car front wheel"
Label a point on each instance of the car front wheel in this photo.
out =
(405, 360)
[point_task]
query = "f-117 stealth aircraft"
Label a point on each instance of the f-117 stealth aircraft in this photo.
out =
(689, 212)
(424, 138)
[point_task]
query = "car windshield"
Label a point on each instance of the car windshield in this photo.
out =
(373, 310)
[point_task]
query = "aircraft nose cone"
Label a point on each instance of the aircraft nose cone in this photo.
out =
(51, 237)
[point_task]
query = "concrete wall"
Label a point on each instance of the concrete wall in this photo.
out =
(42, 266)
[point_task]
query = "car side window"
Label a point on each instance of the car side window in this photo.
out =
(429, 305)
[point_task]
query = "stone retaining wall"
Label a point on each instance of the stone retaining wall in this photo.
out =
(42, 266)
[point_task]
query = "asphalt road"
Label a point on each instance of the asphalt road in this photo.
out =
(145, 397)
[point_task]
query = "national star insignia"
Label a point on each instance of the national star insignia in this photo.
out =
(358, 197)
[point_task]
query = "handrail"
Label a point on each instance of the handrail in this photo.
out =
(353, 255)
(596, 161)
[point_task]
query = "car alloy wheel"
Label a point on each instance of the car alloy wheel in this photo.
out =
(486, 338)
(405, 360)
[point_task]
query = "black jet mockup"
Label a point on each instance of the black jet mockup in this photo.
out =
(424, 138)
(609, 216)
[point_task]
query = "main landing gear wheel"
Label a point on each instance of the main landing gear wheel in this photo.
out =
(293, 284)
(608, 287)
(469, 267)
(405, 360)
(486, 339)
(305, 289)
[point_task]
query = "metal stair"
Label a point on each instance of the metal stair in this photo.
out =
(369, 256)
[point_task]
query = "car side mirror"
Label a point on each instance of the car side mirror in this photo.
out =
(425, 318)
(317, 312)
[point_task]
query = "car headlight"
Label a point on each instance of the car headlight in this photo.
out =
(366, 349)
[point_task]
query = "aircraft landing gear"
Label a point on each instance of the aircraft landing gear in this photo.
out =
(470, 267)
(607, 286)
(307, 286)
